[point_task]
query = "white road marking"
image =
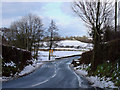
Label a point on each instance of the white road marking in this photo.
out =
(40, 83)
(46, 80)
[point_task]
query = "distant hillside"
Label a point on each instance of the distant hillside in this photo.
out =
(74, 43)
(70, 44)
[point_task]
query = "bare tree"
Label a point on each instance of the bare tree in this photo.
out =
(95, 14)
(52, 34)
(27, 32)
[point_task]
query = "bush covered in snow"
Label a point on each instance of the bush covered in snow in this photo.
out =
(110, 70)
(14, 60)
(105, 76)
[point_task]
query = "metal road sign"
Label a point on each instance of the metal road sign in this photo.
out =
(51, 52)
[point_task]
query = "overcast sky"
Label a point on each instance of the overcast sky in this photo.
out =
(68, 22)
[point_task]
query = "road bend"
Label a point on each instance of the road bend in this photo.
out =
(56, 74)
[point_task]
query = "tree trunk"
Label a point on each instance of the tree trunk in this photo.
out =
(96, 39)
(37, 49)
(115, 15)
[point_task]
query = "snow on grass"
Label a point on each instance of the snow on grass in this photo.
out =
(66, 53)
(67, 48)
(75, 50)
(10, 64)
(66, 44)
(95, 80)
(101, 82)
(82, 72)
(43, 55)
(26, 70)
(81, 69)
(72, 43)
(30, 68)
(3, 78)
(76, 60)
(77, 45)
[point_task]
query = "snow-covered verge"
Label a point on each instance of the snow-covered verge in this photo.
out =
(94, 80)
(28, 69)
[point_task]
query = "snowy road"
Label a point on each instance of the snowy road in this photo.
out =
(55, 74)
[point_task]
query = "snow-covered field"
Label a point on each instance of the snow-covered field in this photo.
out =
(43, 55)
(77, 48)
(70, 45)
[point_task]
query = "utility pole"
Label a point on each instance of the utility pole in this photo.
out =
(51, 37)
(52, 30)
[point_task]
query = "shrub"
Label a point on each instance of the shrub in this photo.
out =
(86, 57)
(21, 58)
(111, 52)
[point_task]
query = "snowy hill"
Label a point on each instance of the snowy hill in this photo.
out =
(69, 45)
(74, 43)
